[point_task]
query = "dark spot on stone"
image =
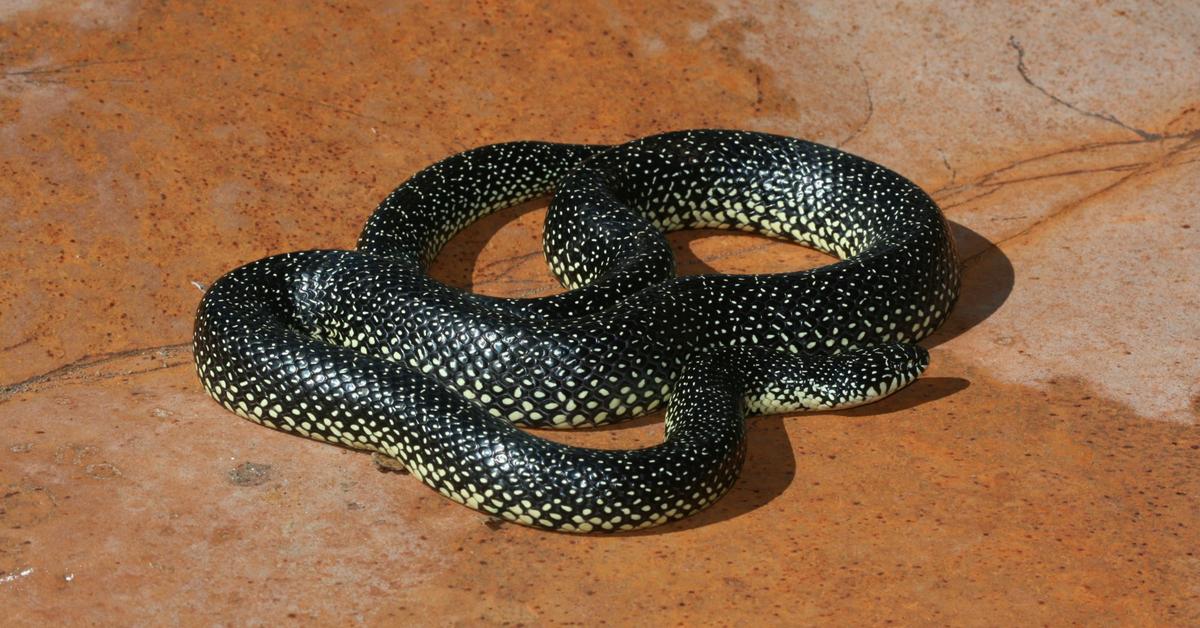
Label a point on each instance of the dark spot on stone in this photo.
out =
(494, 523)
(250, 474)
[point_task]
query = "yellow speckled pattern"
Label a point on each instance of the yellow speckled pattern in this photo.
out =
(1044, 470)
(362, 348)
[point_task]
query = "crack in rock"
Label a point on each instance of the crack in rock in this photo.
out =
(1107, 117)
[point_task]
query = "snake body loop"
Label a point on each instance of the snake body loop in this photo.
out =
(364, 349)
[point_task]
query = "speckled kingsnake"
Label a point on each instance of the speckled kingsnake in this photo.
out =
(364, 349)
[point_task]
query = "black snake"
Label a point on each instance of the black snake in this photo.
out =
(362, 348)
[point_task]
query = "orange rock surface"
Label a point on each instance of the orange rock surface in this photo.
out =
(1045, 470)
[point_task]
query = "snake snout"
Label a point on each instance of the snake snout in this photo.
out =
(831, 382)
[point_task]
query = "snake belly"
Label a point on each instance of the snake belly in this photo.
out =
(362, 348)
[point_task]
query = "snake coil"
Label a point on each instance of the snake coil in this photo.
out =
(362, 348)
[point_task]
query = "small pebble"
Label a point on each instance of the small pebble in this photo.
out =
(250, 474)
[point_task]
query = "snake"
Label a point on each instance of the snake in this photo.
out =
(362, 348)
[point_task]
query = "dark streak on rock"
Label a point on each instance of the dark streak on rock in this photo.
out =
(870, 107)
(79, 367)
(1134, 170)
(57, 69)
(946, 163)
(17, 345)
(56, 74)
(1107, 117)
(989, 177)
(991, 188)
(1062, 211)
(325, 105)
